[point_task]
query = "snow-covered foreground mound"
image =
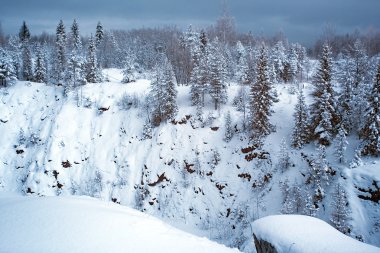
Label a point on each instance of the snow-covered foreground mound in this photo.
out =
(304, 234)
(81, 224)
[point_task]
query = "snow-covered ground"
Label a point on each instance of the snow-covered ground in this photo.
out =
(83, 224)
(52, 145)
(304, 234)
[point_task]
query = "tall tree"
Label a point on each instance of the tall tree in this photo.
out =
(93, 74)
(261, 99)
(40, 75)
(300, 134)
(75, 72)
(163, 94)
(341, 145)
(24, 36)
(7, 72)
(229, 133)
(370, 132)
(199, 76)
(60, 62)
(340, 214)
(346, 98)
(324, 117)
(217, 65)
(99, 34)
(24, 33)
(360, 73)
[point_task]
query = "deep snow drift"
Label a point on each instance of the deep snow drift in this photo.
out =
(82, 224)
(304, 234)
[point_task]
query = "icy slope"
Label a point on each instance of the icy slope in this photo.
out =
(304, 234)
(81, 224)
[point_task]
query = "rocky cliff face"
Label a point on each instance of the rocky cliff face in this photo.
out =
(263, 246)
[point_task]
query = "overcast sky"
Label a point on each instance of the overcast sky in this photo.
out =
(300, 20)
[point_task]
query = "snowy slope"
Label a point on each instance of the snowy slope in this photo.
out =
(51, 146)
(304, 234)
(82, 224)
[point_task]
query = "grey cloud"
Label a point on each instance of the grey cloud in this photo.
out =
(299, 19)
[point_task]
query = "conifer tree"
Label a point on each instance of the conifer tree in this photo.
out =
(24, 36)
(99, 34)
(284, 161)
(217, 64)
(40, 75)
(301, 115)
(340, 214)
(228, 134)
(241, 104)
(27, 65)
(7, 71)
(324, 117)
(360, 74)
(261, 100)
(75, 72)
(370, 133)
(147, 130)
(242, 64)
(346, 99)
(163, 92)
(93, 74)
(60, 61)
(24, 33)
(279, 59)
(341, 145)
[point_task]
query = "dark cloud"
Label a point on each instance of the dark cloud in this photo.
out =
(301, 20)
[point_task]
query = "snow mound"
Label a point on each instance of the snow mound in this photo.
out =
(82, 224)
(304, 234)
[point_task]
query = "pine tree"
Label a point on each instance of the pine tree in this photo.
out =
(324, 117)
(24, 33)
(217, 64)
(370, 133)
(93, 73)
(40, 75)
(311, 208)
(242, 64)
(170, 107)
(147, 130)
(60, 62)
(99, 34)
(359, 69)
(356, 160)
(74, 76)
(7, 72)
(341, 145)
(241, 104)
(340, 214)
(24, 36)
(279, 59)
(300, 131)
(228, 134)
(261, 100)
(163, 92)
(27, 65)
(346, 99)
(284, 161)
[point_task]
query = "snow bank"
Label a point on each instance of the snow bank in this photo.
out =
(304, 234)
(81, 224)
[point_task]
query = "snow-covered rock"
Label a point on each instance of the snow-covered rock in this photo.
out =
(304, 234)
(83, 224)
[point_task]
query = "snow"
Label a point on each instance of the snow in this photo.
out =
(110, 144)
(304, 234)
(83, 224)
